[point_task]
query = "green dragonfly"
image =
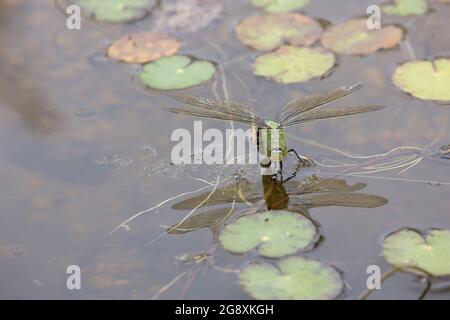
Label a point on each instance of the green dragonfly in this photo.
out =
(270, 135)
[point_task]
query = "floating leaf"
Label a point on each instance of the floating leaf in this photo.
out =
(427, 80)
(186, 15)
(405, 8)
(176, 72)
(410, 248)
(143, 47)
(354, 38)
(269, 31)
(292, 64)
(280, 5)
(202, 220)
(296, 278)
(116, 10)
(274, 233)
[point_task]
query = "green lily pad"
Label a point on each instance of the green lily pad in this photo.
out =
(176, 72)
(296, 278)
(116, 10)
(290, 64)
(427, 80)
(269, 31)
(406, 8)
(274, 233)
(430, 252)
(280, 5)
(354, 38)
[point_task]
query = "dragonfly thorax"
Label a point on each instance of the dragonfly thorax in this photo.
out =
(272, 124)
(273, 141)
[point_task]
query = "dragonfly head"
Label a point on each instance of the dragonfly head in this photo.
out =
(272, 124)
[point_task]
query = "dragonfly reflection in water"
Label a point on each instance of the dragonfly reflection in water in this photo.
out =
(298, 196)
(270, 135)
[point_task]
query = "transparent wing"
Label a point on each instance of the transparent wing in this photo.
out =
(315, 184)
(201, 220)
(326, 114)
(310, 102)
(217, 109)
(241, 191)
(342, 199)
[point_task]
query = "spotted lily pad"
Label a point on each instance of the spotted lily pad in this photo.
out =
(280, 5)
(269, 31)
(274, 233)
(290, 64)
(296, 278)
(186, 16)
(427, 80)
(116, 10)
(143, 47)
(176, 72)
(429, 252)
(354, 38)
(405, 8)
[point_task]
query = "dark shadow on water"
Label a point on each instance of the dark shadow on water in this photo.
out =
(20, 88)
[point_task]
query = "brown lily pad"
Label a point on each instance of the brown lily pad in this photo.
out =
(270, 31)
(143, 47)
(354, 38)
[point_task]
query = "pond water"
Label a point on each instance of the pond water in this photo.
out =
(84, 146)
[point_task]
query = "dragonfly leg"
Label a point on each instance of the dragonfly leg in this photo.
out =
(281, 174)
(292, 176)
(302, 160)
(281, 171)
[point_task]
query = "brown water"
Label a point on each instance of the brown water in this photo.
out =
(83, 146)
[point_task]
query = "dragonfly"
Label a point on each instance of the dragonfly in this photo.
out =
(270, 134)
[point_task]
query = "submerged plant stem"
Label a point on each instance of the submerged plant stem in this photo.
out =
(426, 275)
(426, 289)
(170, 284)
